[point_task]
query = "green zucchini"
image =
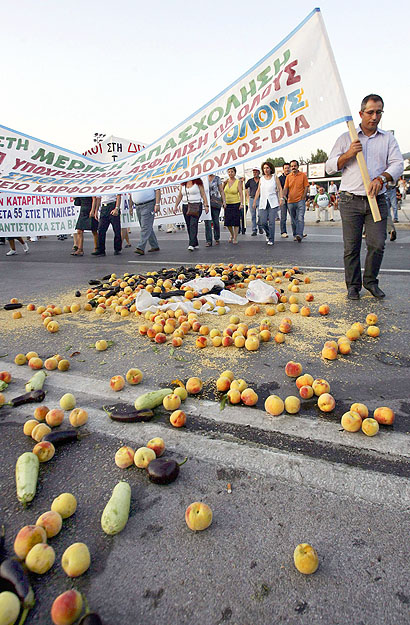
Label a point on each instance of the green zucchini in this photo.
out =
(151, 400)
(26, 476)
(115, 515)
(36, 382)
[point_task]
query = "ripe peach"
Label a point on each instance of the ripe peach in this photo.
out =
(239, 341)
(54, 417)
(177, 418)
(306, 392)
(181, 392)
(201, 342)
(384, 415)
(31, 307)
(320, 386)
(351, 421)
(292, 404)
(309, 297)
(204, 330)
(78, 417)
(304, 380)
(361, 409)
(17, 314)
(326, 402)
(270, 311)
(324, 309)
(40, 413)
(157, 445)
(76, 559)
(353, 334)
(294, 308)
(234, 319)
(239, 385)
(217, 341)
(63, 365)
(373, 331)
(65, 504)
(67, 401)
(234, 396)
(252, 343)
(198, 516)
(40, 431)
(358, 326)
(66, 608)
(372, 319)
(35, 363)
(44, 451)
(117, 383)
(249, 397)
(227, 374)
(151, 333)
(265, 336)
(50, 364)
(5, 376)
(227, 332)
(285, 327)
(345, 347)
(274, 405)
(279, 337)
(124, 457)
(176, 341)
(20, 359)
(171, 402)
(250, 311)
(305, 559)
(370, 426)
(214, 332)
(160, 337)
(143, 457)
(51, 521)
(227, 341)
(29, 426)
(30, 355)
(329, 352)
(27, 537)
(40, 558)
(305, 311)
(133, 376)
(223, 384)
(53, 327)
(293, 369)
(193, 386)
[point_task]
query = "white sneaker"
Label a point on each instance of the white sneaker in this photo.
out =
(196, 247)
(33, 239)
(270, 243)
(284, 235)
(190, 247)
(25, 248)
(267, 239)
(11, 253)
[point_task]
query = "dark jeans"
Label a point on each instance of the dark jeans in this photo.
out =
(355, 213)
(243, 212)
(283, 216)
(191, 226)
(104, 222)
(297, 217)
(267, 218)
(215, 212)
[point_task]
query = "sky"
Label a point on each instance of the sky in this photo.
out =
(135, 69)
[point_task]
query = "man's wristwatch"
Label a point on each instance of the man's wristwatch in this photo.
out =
(382, 179)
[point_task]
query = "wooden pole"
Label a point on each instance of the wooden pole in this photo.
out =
(365, 173)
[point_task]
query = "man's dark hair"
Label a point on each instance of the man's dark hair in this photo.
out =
(372, 96)
(285, 164)
(294, 161)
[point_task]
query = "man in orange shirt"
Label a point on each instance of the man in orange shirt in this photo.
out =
(296, 187)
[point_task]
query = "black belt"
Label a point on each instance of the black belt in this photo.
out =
(108, 204)
(144, 203)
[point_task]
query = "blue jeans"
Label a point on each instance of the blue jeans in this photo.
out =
(208, 225)
(297, 217)
(283, 216)
(253, 207)
(103, 224)
(355, 213)
(392, 201)
(146, 214)
(267, 218)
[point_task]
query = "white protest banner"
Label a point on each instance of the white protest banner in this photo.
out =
(114, 148)
(35, 215)
(292, 93)
(316, 170)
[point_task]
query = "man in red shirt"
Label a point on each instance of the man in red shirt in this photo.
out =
(296, 187)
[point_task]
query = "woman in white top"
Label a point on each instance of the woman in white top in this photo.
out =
(193, 192)
(270, 192)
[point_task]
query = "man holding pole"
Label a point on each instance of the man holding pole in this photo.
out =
(358, 193)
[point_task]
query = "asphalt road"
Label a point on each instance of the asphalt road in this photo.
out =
(294, 478)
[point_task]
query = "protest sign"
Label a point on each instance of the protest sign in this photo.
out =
(292, 93)
(35, 215)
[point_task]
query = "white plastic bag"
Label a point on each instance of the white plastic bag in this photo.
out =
(262, 293)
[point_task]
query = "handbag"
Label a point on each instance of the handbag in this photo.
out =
(194, 208)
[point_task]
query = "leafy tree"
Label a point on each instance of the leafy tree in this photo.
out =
(276, 162)
(319, 157)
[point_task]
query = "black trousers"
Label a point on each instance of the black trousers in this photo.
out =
(191, 226)
(104, 223)
(355, 213)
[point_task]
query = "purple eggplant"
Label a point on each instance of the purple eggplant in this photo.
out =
(12, 571)
(27, 398)
(91, 618)
(62, 437)
(163, 470)
(127, 414)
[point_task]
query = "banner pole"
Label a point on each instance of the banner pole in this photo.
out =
(365, 173)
